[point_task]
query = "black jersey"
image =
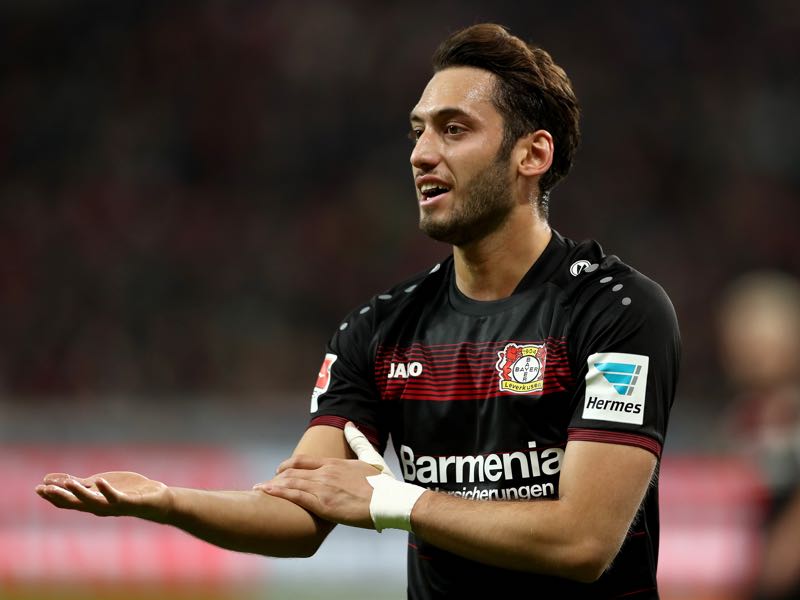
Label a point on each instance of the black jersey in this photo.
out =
(481, 398)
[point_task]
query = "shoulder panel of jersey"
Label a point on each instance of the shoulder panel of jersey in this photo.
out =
(345, 389)
(624, 348)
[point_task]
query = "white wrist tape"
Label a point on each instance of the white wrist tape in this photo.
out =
(392, 501)
(364, 450)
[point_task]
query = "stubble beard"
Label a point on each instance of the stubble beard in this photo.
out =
(486, 206)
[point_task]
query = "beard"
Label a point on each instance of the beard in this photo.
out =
(485, 207)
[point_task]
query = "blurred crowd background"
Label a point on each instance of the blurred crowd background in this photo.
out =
(194, 193)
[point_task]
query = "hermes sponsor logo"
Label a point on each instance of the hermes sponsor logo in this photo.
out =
(616, 386)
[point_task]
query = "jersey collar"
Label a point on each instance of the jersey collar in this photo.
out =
(540, 272)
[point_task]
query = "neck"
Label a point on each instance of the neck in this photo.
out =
(492, 267)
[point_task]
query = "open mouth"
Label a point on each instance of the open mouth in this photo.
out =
(432, 191)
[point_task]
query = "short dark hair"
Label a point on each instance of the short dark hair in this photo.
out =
(533, 92)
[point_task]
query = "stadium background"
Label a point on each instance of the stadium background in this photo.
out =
(193, 193)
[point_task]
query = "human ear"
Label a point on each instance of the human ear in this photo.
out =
(535, 153)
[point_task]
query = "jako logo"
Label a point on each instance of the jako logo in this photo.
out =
(404, 370)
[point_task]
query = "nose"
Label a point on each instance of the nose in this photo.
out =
(426, 153)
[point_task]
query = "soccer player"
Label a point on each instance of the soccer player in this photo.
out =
(525, 382)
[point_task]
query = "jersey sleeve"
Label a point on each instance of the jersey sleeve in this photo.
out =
(627, 359)
(345, 388)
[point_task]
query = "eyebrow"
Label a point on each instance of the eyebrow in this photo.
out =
(445, 112)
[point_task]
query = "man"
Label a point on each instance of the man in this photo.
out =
(761, 309)
(525, 382)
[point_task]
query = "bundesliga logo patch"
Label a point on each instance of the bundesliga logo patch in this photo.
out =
(323, 380)
(521, 368)
(615, 387)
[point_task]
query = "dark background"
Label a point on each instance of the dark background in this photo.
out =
(193, 194)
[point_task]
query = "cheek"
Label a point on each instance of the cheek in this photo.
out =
(469, 168)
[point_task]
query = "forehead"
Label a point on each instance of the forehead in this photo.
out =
(468, 89)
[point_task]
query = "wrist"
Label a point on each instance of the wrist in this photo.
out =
(163, 508)
(392, 502)
(168, 505)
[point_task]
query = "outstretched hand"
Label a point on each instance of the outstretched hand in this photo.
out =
(114, 493)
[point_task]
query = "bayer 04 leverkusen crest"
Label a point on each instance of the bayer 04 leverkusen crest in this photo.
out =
(521, 368)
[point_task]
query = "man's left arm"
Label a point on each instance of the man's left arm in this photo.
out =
(576, 536)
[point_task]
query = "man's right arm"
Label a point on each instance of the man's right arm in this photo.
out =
(245, 521)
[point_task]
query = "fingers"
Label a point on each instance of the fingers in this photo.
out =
(338, 493)
(299, 481)
(301, 497)
(55, 479)
(56, 483)
(302, 461)
(83, 493)
(63, 497)
(57, 496)
(92, 494)
(60, 479)
(364, 449)
(109, 492)
(289, 477)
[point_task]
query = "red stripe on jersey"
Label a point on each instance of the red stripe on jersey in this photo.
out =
(422, 556)
(472, 373)
(487, 389)
(413, 385)
(340, 422)
(421, 353)
(549, 340)
(440, 363)
(442, 397)
(486, 353)
(615, 437)
(462, 372)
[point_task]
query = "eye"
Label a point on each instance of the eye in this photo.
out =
(453, 129)
(415, 134)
